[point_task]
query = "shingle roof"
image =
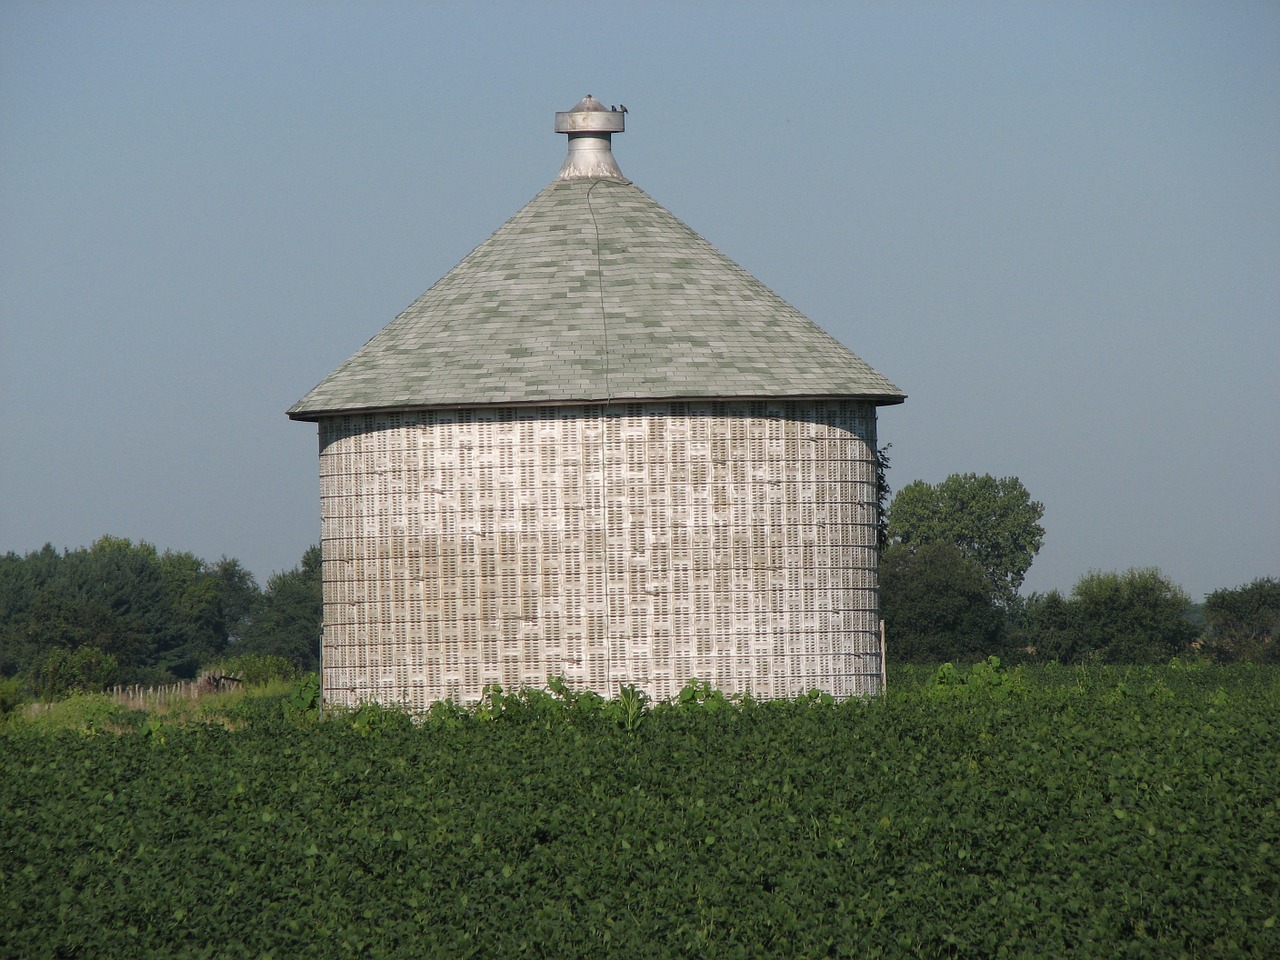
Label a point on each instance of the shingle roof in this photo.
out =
(593, 292)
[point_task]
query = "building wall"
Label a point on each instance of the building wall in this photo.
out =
(734, 542)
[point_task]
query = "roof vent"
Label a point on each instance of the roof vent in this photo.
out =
(590, 126)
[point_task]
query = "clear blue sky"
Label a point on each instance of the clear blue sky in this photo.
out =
(1055, 225)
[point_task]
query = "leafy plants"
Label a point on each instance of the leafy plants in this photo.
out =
(988, 680)
(251, 669)
(11, 696)
(976, 812)
(304, 697)
(82, 670)
(373, 720)
(629, 709)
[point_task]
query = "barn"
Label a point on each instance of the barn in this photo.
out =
(598, 449)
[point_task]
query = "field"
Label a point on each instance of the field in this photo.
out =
(1038, 813)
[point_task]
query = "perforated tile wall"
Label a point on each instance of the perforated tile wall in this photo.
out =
(734, 542)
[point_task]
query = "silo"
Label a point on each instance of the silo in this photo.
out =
(598, 449)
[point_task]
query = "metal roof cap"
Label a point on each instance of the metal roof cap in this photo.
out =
(590, 126)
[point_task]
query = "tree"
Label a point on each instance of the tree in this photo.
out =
(129, 580)
(192, 596)
(883, 493)
(238, 599)
(212, 604)
(111, 597)
(291, 615)
(1138, 616)
(1244, 623)
(937, 605)
(1047, 628)
(994, 523)
(159, 617)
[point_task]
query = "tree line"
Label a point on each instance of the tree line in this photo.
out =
(955, 553)
(123, 612)
(953, 557)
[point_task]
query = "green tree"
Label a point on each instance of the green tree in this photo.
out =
(212, 605)
(129, 580)
(289, 620)
(883, 494)
(1045, 628)
(1138, 616)
(238, 599)
(1244, 623)
(993, 522)
(23, 580)
(110, 597)
(159, 616)
(937, 606)
(192, 596)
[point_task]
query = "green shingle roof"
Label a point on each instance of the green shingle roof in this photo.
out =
(593, 292)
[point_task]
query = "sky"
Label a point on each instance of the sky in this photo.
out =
(1055, 226)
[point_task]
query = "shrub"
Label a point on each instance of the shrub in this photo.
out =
(1244, 623)
(86, 712)
(12, 695)
(252, 669)
(84, 670)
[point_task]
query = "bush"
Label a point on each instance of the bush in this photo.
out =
(1244, 623)
(252, 669)
(82, 670)
(1138, 616)
(987, 681)
(86, 712)
(12, 695)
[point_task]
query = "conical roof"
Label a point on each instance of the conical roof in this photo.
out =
(593, 292)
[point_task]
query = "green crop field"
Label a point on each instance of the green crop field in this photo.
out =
(1042, 813)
